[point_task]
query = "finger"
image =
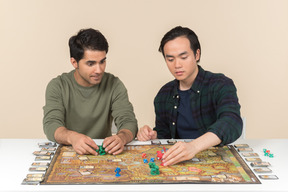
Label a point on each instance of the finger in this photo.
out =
(172, 152)
(114, 146)
(107, 141)
(80, 150)
(89, 150)
(174, 158)
(116, 149)
(153, 134)
(146, 133)
(173, 161)
(92, 144)
(119, 151)
(143, 137)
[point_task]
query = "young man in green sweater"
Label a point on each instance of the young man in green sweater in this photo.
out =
(81, 105)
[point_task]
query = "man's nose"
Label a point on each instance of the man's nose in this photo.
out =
(97, 68)
(177, 63)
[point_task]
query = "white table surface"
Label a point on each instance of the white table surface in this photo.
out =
(16, 158)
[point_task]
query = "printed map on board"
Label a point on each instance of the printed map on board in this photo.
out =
(215, 165)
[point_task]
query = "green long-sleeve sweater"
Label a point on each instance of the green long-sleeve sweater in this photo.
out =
(87, 110)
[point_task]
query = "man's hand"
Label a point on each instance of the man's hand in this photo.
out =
(82, 144)
(181, 151)
(115, 143)
(146, 133)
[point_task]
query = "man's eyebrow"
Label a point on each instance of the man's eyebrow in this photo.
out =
(183, 53)
(90, 61)
(169, 56)
(103, 59)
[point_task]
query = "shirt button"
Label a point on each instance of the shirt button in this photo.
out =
(173, 123)
(198, 91)
(175, 107)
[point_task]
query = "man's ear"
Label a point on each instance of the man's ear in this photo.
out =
(198, 55)
(74, 63)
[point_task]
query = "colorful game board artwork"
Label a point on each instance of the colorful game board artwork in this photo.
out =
(215, 165)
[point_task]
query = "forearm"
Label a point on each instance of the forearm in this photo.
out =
(62, 136)
(204, 142)
(125, 135)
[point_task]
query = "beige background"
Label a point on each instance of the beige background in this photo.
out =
(245, 39)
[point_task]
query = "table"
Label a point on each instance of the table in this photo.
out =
(16, 157)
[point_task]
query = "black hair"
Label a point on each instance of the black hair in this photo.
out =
(87, 39)
(179, 32)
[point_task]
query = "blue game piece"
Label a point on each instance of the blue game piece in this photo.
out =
(152, 159)
(145, 160)
(117, 170)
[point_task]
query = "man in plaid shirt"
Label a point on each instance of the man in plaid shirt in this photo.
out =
(197, 105)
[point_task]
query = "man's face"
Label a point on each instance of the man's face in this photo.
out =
(90, 69)
(181, 60)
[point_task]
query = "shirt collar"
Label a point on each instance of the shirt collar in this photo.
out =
(197, 84)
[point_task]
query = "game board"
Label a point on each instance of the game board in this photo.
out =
(215, 165)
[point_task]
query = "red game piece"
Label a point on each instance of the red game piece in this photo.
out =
(143, 155)
(159, 155)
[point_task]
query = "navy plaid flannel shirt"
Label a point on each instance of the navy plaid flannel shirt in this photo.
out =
(214, 104)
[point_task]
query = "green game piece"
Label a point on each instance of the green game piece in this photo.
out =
(152, 165)
(266, 154)
(155, 171)
(101, 150)
(271, 155)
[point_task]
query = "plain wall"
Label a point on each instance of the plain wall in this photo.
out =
(247, 40)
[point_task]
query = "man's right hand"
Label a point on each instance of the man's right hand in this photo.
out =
(145, 133)
(81, 143)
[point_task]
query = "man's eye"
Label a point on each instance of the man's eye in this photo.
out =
(89, 64)
(183, 58)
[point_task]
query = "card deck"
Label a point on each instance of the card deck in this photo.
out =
(34, 175)
(31, 181)
(262, 170)
(245, 149)
(40, 169)
(42, 158)
(47, 144)
(250, 154)
(155, 142)
(40, 164)
(260, 164)
(42, 153)
(250, 159)
(241, 145)
(171, 141)
(268, 177)
(51, 149)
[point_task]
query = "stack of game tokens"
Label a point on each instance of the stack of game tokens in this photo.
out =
(41, 164)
